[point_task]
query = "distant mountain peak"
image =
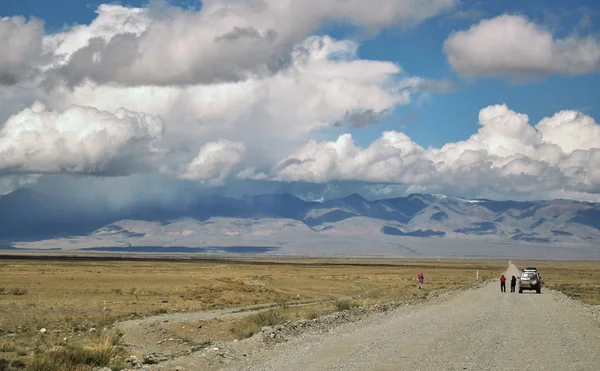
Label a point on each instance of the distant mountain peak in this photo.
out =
(355, 197)
(21, 196)
(27, 214)
(421, 196)
(21, 192)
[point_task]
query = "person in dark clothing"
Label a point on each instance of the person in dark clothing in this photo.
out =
(502, 283)
(513, 283)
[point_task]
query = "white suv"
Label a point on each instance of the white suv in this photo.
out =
(530, 280)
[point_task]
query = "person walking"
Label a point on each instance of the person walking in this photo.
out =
(513, 283)
(502, 283)
(420, 278)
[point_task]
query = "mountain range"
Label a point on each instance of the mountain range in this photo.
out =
(30, 219)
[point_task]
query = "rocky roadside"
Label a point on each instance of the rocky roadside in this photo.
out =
(219, 354)
(591, 311)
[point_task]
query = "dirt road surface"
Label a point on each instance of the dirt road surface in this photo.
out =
(480, 329)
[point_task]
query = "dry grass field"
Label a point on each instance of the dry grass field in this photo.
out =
(577, 279)
(76, 302)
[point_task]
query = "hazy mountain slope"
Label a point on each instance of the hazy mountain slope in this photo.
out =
(359, 236)
(193, 219)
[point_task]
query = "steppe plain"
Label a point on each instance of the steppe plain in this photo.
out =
(78, 314)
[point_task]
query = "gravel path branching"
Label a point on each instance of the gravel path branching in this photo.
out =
(474, 329)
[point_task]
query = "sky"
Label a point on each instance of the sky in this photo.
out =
(320, 98)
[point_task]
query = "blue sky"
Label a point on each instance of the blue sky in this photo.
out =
(452, 117)
(203, 141)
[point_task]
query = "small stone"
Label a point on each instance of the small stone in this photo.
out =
(133, 361)
(43, 331)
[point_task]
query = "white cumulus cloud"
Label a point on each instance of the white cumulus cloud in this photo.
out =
(214, 162)
(200, 71)
(325, 83)
(227, 40)
(513, 44)
(386, 159)
(247, 91)
(78, 140)
(507, 154)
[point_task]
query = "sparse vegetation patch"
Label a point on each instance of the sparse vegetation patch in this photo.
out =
(56, 318)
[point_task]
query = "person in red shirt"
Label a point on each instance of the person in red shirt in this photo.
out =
(502, 283)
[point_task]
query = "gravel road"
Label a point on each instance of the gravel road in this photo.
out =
(479, 329)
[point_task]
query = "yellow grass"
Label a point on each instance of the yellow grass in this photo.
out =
(73, 355)
(577, 279)
(77, 299)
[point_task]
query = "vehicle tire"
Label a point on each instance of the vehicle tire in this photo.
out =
(534, 282)
(520, 291)
(538, 290)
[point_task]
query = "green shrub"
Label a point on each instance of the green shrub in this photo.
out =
(269, 317)
(345, 304)
(17, 291)
(252, 324)
(75, 356)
